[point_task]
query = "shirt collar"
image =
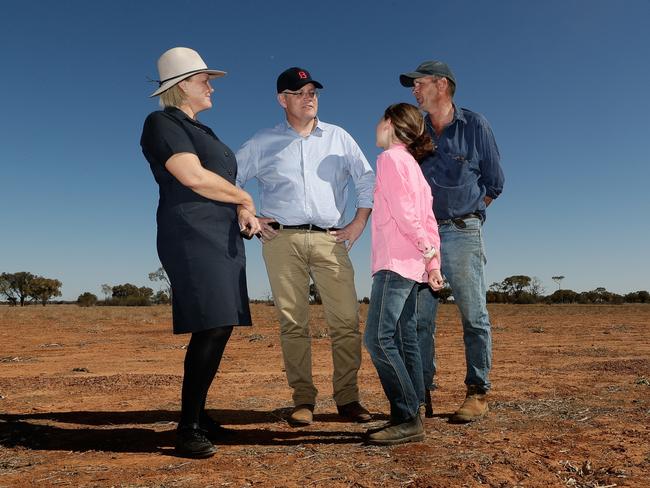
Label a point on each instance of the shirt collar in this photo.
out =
(318, 130)
(458, 116)
(176, 112)
(180, 115)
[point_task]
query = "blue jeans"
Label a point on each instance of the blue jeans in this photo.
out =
(391, 339)
(463, 266)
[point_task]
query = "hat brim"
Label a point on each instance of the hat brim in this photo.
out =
(306, 82)
(406, 79)
(213, 73)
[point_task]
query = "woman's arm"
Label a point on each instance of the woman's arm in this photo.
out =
(187, 169)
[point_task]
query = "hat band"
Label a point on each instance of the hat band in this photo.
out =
(160, 83)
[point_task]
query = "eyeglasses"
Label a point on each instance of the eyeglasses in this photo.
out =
(303, 94)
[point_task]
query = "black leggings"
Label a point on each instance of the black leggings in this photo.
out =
(202, 360)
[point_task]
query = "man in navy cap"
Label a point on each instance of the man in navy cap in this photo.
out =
(303, 166)
(465, 177)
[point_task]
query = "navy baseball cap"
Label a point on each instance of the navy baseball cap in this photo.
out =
(427, 68)
(294, 79)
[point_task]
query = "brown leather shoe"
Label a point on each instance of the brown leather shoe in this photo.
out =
(474, 407)
(302, 415)
(355, 412)
(411, 431)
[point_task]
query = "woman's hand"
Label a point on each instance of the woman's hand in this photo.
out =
(435, 280)
(248, 223)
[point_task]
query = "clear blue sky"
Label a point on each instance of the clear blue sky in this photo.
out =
(563, 83)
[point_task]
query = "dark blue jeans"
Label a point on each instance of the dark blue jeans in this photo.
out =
(463, 266)
(391, 339)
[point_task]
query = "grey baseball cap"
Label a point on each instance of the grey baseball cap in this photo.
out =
(427, 68)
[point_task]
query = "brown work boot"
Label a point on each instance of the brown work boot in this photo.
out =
(411, 431)
(301, 415)
(474, 407)
(354, 411)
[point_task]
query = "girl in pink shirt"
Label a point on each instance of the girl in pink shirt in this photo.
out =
(405, 252)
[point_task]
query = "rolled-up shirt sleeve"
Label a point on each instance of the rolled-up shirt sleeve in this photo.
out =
(492, 177)
(247, 163)
(362, 174)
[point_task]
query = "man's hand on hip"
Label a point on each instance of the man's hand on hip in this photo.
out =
(349, 233)
(267, 232)
(353, 230)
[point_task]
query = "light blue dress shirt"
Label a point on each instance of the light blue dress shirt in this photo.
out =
(304, 180)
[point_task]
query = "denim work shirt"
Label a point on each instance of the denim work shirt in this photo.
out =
(304, 180)
(464, 166)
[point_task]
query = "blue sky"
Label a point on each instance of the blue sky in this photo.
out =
(563, 83)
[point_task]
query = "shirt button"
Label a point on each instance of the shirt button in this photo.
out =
(226, 153)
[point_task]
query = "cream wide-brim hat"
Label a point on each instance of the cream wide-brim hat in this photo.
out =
(179, 63)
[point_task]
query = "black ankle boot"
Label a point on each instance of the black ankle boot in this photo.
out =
(192, 442)
(213, 430)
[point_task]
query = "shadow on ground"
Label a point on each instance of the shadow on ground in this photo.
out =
(124, 431)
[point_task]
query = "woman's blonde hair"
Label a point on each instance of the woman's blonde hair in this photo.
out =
(174, 97)
(408, 124)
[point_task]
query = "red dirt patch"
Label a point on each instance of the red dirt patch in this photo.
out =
(90, 397)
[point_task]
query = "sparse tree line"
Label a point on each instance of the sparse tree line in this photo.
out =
(23, 288)
(523, 289)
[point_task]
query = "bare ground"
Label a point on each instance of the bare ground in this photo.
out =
(90, 397)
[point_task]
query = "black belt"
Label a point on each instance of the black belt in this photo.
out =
(278, 226)
(460, 221)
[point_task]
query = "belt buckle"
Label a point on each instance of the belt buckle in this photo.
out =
(460, 223)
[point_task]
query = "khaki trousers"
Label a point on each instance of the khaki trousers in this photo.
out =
(291, 258)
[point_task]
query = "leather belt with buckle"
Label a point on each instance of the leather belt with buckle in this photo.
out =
(278, 226)
(460, 221)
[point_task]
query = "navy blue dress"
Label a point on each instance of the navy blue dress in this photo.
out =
(198, 241)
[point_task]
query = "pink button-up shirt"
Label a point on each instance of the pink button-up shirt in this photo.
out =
(403, 224)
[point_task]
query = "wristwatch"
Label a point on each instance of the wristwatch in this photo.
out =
(428, 254)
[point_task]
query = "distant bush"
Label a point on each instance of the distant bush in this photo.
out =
(128, 295)
(87, 299)
(161, 298)
(562, 296)
(525, 298)
(130, 301)
(638, 297)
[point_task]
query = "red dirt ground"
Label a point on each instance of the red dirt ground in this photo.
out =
(90, 396)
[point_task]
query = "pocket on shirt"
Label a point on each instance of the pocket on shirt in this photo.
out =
(454, 183)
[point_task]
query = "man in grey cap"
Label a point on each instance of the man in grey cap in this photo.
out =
(465, 176)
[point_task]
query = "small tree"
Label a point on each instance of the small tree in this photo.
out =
(87, 299)
(558, 280)
(107, 290)
(563, 296)
(161, 298)
(131, 295)
(161, 275)
(15, 286)
(42, 289)
(515, 286)
(536, 288)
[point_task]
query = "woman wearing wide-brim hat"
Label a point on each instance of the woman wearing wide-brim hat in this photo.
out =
(200, 216)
